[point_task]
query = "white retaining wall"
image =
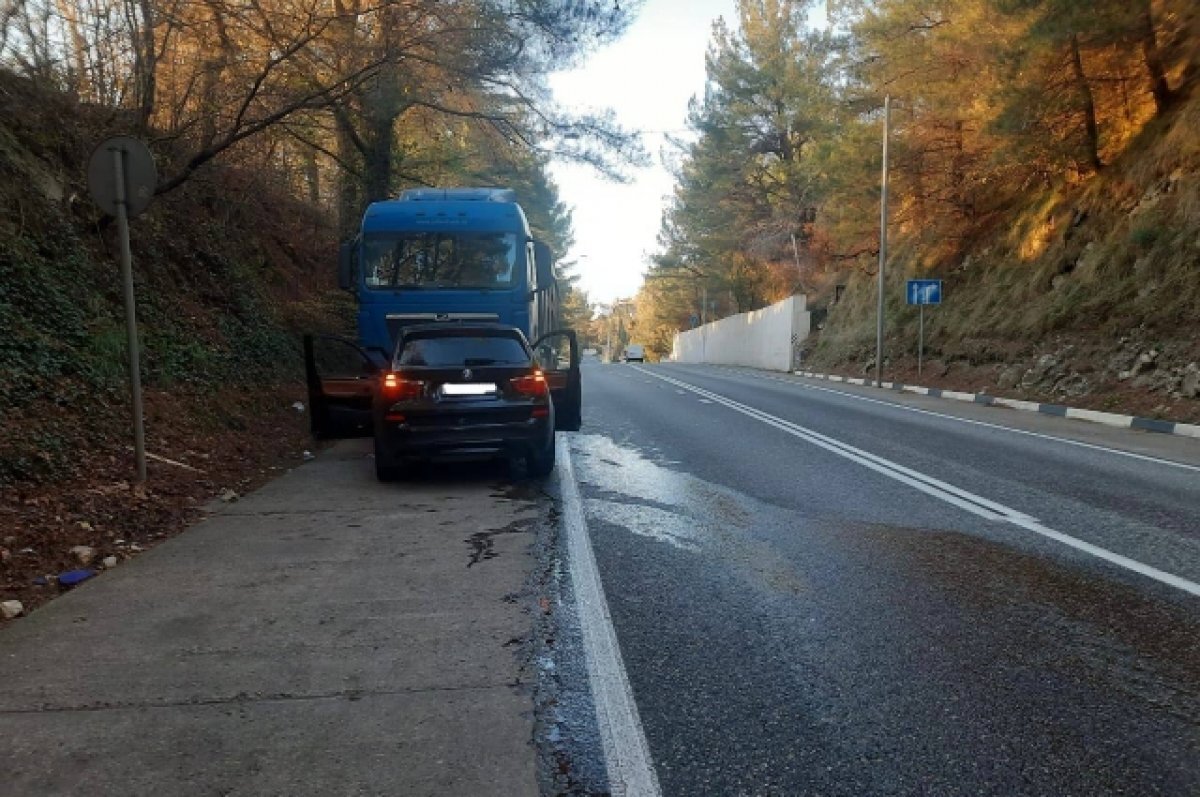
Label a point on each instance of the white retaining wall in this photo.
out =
(760, 339)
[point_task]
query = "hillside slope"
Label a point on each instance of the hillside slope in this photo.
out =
(229, 271)
(1087, 294)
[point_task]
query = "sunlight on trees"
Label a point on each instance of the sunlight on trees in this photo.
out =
(347, 101)
(993, 101)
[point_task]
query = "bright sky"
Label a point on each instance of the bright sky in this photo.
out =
(647, 78)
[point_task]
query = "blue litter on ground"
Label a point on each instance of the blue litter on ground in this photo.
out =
(40, 581)
(73, 577)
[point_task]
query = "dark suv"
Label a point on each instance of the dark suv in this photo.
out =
(462, 390)
(447, 389)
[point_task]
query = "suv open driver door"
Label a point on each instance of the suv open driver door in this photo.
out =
(557, 354)
(341, 378)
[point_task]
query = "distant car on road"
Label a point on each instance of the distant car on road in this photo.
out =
(634, 353)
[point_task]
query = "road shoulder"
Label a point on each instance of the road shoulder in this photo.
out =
(326, 634)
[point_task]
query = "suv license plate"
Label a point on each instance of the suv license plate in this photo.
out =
(474, 389)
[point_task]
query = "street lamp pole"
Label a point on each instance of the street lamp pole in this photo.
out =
(796, 256)
(883, 220)
(608, 343)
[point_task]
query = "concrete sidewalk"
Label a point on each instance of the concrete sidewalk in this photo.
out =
(325, 635)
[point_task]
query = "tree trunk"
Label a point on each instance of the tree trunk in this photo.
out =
(77, 83)
(377, 179)
(213, 75)
(349, 207)
(1091, 128)
(209, 81)
(145, 64)
(1159, 87)
(349, 150)
(312, 175)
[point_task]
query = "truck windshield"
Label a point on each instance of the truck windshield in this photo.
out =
(440, 260)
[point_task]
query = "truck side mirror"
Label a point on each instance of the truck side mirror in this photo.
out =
(544, 261)
(346, 265)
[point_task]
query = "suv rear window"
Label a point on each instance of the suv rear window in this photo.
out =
(462, 351)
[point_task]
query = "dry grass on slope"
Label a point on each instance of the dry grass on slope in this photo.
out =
(1094, 275)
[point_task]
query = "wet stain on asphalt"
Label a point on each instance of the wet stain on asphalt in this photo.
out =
(647, 521)
(625, 488)
(483, 546)
(628, 500)
(1106, 632)
(519, 490)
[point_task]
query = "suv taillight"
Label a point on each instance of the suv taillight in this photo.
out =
(397, 388)
(531, 384)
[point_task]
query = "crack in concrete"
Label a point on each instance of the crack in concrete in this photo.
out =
(243, 698)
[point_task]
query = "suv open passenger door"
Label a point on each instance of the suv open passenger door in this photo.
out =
(557, 354)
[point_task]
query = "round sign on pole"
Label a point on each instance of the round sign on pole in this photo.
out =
(141, 176)
(121, 179)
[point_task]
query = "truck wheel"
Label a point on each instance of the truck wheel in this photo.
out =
(572, 417)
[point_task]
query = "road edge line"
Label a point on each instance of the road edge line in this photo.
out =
(626, 752)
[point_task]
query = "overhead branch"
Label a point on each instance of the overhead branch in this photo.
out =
(319, 98)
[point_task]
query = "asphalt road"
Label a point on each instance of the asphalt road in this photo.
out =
(736, 583)
(838, 592)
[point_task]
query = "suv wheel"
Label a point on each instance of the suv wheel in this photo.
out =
(540, 463)
(384, 471)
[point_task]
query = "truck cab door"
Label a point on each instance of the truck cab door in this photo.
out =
(557, 354)
(341, 379)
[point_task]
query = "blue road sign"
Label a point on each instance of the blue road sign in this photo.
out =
(924, 291)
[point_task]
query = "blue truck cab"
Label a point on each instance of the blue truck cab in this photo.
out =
(445, 254)
(441, 255)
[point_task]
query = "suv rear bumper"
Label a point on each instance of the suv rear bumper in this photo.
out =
(398, 443)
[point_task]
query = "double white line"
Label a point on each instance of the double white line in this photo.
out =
(975, 504)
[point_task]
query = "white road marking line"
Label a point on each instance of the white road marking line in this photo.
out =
(944, 491)
(1040, 435)
(1132, 455)
(626, 753)
(705, 401)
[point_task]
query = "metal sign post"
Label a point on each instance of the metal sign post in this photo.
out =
(121, 178)
(921, 339)
(921, 293)
(135, 372)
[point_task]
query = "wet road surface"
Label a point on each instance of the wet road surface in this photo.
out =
(793, 621)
